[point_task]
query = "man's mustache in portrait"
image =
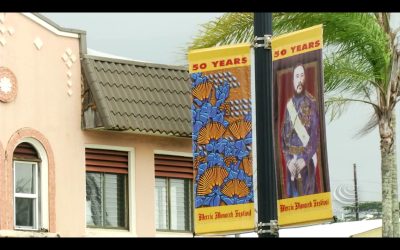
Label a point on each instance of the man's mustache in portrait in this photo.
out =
(300, 86)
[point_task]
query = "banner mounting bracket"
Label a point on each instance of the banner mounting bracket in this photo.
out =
(273, 227)
(266, 42)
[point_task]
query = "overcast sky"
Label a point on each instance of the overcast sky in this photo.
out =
(161, 37)
(153, 37)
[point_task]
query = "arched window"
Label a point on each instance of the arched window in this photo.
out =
(27, 186)
(30, 179)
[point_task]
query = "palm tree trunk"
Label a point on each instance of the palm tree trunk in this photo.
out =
(395, 197)
(386, 134)
(394, 92)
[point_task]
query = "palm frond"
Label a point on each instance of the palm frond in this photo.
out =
(336, 105)
(227, 29)
(352, 33)
(368, 127)
(347, 73)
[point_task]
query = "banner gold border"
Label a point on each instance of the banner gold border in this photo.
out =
(287, 45)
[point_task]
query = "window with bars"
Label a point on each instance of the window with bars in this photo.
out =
(106, 188)
(173, 193)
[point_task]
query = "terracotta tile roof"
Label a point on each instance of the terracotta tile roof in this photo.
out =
(139, 96)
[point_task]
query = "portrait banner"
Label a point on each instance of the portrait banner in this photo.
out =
(299, 127)
(222, 139)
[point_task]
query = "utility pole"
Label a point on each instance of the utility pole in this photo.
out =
(266, 183)
(355, 191)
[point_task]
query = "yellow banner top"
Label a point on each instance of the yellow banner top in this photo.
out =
(217, 58)
(297, 42)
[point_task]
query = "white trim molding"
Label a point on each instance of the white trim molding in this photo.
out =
(174, 153)
(174, 234)
(49, 26)
(30, 234)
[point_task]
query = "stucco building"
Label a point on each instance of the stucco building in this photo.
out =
(89, 146)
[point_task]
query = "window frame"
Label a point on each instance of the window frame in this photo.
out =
(45, 155)
(191, 192)
(190, 206)
(36, 197)
(126, 197)
(131, 199)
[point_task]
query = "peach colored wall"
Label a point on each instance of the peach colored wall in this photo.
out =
(42, 104)
(2, 185)
(144, 168)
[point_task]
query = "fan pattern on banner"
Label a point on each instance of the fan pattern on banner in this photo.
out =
(222, 140)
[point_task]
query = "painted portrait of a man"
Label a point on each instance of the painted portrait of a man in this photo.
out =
(298, 126)
(300, 133)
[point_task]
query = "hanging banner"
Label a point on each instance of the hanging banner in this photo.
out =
(222, 139)
(300, 141)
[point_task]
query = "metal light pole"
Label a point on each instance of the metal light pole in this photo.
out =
(265, 144)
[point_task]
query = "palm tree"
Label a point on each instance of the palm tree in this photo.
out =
(360, 65)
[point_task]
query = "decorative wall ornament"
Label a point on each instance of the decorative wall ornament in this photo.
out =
(11, 31)
(3, 41)
(2, 17)
(38, 43)
(5, 30)
(8, 85)
(69, 59)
